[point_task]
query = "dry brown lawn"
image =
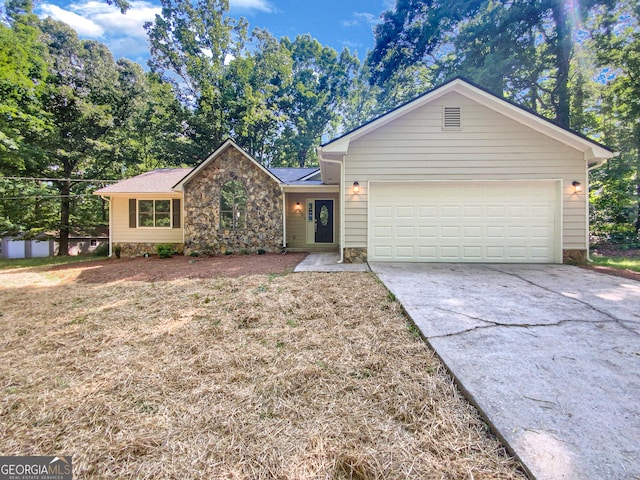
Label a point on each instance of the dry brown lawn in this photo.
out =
(264, 376)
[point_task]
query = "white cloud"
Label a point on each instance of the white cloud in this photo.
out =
(389, 4)
(124, 34)
(84, 26)
(359, 18)
(261, 5)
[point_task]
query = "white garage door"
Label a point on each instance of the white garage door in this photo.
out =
(517, 222)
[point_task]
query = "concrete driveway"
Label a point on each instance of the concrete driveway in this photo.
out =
(550, 354)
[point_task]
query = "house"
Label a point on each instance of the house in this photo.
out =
(19, 245)
(455, 175)
(84, 242)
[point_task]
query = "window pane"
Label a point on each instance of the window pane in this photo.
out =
(145, 206)
(163, 220)
(145, 220)
(233, 205)
(163, 206)
(226, 220)
(241, 220)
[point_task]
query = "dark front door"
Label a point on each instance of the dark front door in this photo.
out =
(324, 221)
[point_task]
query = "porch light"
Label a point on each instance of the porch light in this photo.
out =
(298, 209)
(577, 186)
(356, 187)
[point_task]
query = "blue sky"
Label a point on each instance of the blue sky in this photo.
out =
(336, 23)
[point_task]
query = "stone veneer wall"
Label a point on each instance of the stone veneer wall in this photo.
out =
(574, 257)
(202, 231)
(128, 250)
(355, 255)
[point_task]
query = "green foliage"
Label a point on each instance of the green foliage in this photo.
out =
(37, 262)
(101, 250)
(628, 263)
(165, 251)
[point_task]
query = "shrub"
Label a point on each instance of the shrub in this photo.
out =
(117, 251)
(165, 251)
(261, 251)
(102, 250)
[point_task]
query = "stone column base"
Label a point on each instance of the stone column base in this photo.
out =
(130, 250)
(355, 255)
(574, 257)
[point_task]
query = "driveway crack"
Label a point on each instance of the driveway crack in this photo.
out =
(514, 325)
(614, 319)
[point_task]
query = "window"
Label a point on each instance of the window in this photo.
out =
(233, 206)
(154, 213)
(94, 242)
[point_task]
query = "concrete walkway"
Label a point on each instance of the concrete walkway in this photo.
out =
(328, 262)
(550, 354)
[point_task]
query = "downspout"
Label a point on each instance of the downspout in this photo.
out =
(108, 200)
(284, 218)
(342, 206)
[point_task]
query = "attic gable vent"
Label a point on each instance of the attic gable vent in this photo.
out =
(451, 118)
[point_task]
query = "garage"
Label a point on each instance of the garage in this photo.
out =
(485, 222)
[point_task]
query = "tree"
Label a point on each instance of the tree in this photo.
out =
(316, 96)
(85, 104)
(521, 48)
(258, 81)
(190, 47)
(616, 193)
(22, 75)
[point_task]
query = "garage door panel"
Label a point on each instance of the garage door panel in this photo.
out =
(428, 212)
(383, 232)
(405, 232)
(512, 222)
(473, 253)
(405, 252)
(495, 211)
(383, 212)
(472, 232)
(473, 211)
(429, 232)
(451, 211)
(450, 232)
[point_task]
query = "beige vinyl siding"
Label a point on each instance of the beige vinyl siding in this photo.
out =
(120, 222)
(297, 225)
(489, 146)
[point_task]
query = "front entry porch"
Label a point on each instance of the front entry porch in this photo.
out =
(312, 220)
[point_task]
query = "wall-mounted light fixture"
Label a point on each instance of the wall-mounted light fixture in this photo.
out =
(356, 187)
(297, 209)
(577, 186)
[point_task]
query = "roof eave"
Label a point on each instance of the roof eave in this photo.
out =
(179, 187)
(335, 148)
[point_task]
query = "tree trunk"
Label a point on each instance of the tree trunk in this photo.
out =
(65, 213)
(637, 181)
(563, 56)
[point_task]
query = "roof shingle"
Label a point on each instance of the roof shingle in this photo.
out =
(155, 181)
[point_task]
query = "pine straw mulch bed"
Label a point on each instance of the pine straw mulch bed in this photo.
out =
(292, 376)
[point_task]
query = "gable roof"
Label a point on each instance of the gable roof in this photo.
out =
(593, 151)
(155, 181)
(291, 175)
(226, 144)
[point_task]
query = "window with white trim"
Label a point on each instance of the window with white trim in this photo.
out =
(154, 213)
(233, 206)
